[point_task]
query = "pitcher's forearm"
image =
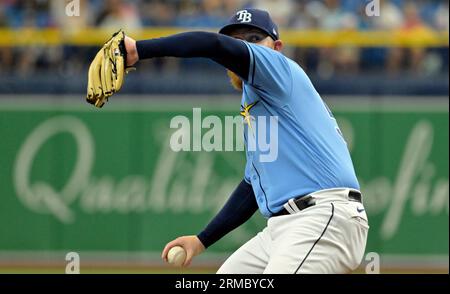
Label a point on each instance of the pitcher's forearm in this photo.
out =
(237, 210)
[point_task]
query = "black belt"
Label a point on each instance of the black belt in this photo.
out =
(308, 201)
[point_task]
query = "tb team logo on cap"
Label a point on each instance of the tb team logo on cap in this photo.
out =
(252, 17)
(244, 16)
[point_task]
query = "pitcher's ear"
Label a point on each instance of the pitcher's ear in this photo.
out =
(278, 45)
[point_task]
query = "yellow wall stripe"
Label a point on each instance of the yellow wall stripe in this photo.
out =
(90, 36)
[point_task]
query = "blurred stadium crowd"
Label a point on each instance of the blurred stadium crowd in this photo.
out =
(293, 14)
(302, 14)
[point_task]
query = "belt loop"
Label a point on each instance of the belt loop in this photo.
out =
(293, 205)
(288, 207)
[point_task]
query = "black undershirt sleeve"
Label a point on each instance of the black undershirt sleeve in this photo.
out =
(237, 210)
(227, 51)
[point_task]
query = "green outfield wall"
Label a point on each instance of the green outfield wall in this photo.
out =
(76, 178)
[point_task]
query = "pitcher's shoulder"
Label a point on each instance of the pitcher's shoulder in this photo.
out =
(294, 65)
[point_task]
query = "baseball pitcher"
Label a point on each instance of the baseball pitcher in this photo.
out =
(316, 221)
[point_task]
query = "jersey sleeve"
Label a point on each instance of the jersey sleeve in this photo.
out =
(269, 73)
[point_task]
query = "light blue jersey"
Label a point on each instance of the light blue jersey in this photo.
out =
(312, 154)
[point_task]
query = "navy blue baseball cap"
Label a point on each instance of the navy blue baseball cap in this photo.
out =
(253, 18)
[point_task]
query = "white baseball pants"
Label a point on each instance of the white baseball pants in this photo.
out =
(329, 237)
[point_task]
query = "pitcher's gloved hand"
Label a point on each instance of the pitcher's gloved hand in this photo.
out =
(107, 70)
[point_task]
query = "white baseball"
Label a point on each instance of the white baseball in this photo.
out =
(176, 255)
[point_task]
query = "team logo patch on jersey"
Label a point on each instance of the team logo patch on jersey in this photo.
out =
(245, 112)
(244, 16)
